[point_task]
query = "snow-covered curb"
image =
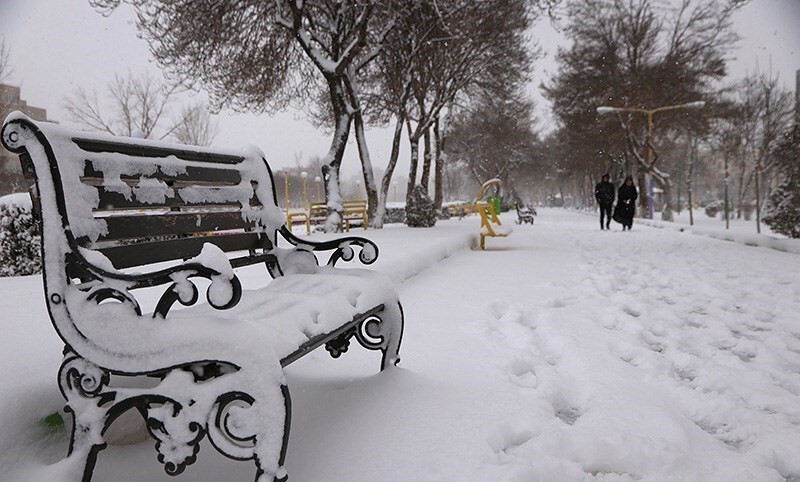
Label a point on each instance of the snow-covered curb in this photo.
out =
(763, 240)
(748, 239)
(401, 269)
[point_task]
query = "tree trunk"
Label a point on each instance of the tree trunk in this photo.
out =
(689, 175)
(387, 176)
(366, 168)
(644, 195)
(665, 184)
(426, 164)
(333, 159)
(439, 143)
(413, 141)
(363, 150)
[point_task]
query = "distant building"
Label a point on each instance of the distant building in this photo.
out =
(11, 179)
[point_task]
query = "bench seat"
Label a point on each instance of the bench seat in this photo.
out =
(292, 311)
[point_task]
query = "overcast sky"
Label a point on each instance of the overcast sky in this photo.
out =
(58, 45)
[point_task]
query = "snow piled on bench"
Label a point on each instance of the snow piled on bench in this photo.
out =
(81, 199)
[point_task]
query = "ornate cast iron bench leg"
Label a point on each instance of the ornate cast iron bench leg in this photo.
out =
(179, 412)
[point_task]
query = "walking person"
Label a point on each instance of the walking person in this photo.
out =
(626, 203)
(604, 193)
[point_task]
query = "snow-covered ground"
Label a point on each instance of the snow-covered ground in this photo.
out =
(562, 353)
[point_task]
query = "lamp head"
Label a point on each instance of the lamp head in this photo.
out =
(696, 105)
(304, 174)
(603, 109)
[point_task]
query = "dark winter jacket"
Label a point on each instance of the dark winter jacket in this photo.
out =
(604, 193)
(626, 200)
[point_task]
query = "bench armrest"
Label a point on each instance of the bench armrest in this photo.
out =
(342, 247)
(103, 282)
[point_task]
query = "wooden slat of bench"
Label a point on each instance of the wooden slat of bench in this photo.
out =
(138, 150)
(143, 225)
(193, 175)
(110, 200)
(159, 251)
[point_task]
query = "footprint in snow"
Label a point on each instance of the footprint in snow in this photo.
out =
(523, 373)
(507, 438)
(686, 375)
(567, 414)
(633, 311)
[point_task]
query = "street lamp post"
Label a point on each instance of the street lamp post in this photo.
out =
(286, 190)
(304, 175)
(394, 191)
(649, 113)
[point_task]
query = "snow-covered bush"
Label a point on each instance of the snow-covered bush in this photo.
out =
(420, 212)
(20, 241)
(782, 213)
(444, 213)
(783, 209)
(712, 209)
(394, 214)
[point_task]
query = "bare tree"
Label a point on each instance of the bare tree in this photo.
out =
(493, 138)
(5, 63)
(476, 47)
(642, 54)
(262, 55)
(196, 127)
(763, 113)
(134, 106)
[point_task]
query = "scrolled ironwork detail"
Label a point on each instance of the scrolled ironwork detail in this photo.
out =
(177, 432)
(103, 293)
(369, 334)
(342, 248)
(79, 377)
(340, 344)
(228, 418)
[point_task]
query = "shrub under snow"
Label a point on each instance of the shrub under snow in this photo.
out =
(783, 209)
(420, 212)
(20, 241)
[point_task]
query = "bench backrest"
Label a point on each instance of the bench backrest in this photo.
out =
(318, 211)
(140, 202)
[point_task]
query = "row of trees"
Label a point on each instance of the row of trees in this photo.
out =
(351, 63)
(142, 106)
(645, 54)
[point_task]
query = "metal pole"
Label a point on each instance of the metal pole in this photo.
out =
(689, 191)
(648, 175)
(758, 198)
(304, 175)
(286, 190)
(727, 209)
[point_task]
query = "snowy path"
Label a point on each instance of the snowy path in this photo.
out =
(562, 353)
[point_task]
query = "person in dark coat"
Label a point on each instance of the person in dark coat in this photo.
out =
(626, 203)
(604, 193)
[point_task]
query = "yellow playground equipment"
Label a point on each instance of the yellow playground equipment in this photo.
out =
(490, 223)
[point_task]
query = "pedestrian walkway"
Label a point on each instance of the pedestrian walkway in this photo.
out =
(560, 353)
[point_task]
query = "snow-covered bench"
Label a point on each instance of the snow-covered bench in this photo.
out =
(128, 221)
(525, 215)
